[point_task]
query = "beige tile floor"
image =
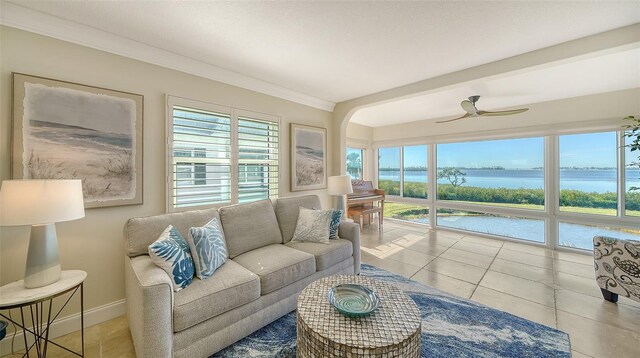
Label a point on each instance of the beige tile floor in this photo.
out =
(556, 289)
(553, 288)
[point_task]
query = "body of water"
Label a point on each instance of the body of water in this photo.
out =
(599, 181)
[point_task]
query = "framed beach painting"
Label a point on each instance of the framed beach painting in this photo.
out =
(308, 157)
(64, 130)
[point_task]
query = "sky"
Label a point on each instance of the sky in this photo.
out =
(580, 150)
(79, 108)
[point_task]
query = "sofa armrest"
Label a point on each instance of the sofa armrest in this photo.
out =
(149, 307)
(351, 231)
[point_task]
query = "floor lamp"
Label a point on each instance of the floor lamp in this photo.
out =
(41, 203)
(340, 185)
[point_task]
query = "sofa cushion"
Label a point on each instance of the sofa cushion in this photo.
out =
(139, 233)
(277, 266)
(326, 255)
(230, 286)
(249, 226)
(287, 212)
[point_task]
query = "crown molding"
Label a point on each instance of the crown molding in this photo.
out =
(16, 16)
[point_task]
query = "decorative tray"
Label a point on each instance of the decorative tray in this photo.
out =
(353, 300)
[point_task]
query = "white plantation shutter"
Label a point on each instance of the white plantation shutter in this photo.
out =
(258, 153)
(201, 157)
(218, 155)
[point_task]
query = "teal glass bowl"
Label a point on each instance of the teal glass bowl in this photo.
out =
(353, 300)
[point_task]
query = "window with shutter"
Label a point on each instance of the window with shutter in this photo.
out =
(218, 155)
(258, 153)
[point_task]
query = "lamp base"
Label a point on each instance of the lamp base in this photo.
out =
(341, 205)
(43, 265)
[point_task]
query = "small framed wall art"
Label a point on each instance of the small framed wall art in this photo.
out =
(64, 130)
(308, 157)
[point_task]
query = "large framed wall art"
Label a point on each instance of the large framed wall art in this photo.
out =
(64, 130)
(308, 157)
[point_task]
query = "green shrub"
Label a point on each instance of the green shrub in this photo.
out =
(568, 198)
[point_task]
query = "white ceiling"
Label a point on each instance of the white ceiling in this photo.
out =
(598, 74)
(335, 51)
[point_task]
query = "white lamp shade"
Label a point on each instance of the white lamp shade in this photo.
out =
(339, 185)
(32, 202)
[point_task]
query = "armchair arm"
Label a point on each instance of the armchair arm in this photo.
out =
(351, 231)
(149, 307)
(617, 265)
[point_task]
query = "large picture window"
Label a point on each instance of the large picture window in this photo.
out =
(389, 170)
(219, 155)
(500, 172)
(588, 173)
(415, 174)
(559, 190)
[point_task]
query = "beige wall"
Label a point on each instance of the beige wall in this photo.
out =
(95, 243)
(570, 114)
(359, 133)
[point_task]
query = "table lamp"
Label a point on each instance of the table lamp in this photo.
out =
(41, 203)
(340, 185)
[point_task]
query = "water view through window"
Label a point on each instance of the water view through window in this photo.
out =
(588, 173)
(389, 170)
(510, 173)
(415, 171)
(500, 172)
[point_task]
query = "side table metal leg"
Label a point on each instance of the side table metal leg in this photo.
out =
(46, 335)
(24, 331)
(82, 315)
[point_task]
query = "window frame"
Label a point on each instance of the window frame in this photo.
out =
(363, 159)
(551, 214)
(234, 113)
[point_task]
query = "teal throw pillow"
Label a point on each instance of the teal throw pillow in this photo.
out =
(336, 215)
(171, 253)
(208, 248)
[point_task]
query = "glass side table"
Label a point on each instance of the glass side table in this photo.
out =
(36, 304)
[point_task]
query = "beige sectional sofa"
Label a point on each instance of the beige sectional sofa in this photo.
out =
(258, 284)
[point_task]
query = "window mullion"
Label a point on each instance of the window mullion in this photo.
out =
(431, 177)
(401, 171)
(551, 190)
(622, 176)
(234, 157)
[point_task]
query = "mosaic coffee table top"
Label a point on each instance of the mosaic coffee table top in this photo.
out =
(393, 330)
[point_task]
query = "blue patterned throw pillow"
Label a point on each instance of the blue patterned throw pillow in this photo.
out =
(171, 253)
(336, 215)
(208, 248)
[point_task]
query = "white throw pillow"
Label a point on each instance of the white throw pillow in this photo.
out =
(171, 253)
(313, 226)
(208, 248)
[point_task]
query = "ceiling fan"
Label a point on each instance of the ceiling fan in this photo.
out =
(469, 105)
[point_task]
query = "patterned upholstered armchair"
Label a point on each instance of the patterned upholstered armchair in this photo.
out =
(617, 264)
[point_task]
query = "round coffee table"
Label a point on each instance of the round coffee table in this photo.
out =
(393, 330)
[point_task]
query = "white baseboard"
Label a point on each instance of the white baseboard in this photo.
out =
(68, 324)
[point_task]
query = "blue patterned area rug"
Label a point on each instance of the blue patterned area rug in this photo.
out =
(451, 327)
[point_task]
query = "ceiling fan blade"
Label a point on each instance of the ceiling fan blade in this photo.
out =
(468, 106)
(455, 119)
(502, 113)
